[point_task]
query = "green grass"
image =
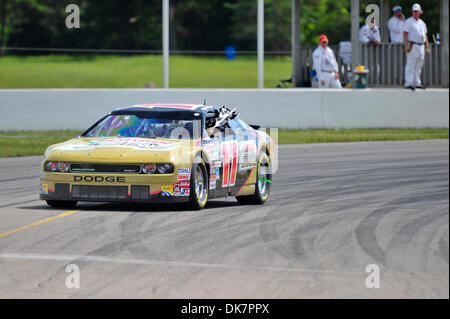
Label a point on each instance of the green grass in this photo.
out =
(112, 71)
(26, 143)
(358, 135)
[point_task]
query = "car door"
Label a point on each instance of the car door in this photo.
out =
(246, 146)
(223, 156)
(232, 157)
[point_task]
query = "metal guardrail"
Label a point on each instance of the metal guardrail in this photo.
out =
(386, 63)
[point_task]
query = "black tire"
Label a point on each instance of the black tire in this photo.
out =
(62, 203)
(263, 183)
(198, 174)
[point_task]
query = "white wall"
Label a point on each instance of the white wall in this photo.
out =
(76, 109)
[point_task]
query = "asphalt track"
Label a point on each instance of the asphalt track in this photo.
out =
(333, 210)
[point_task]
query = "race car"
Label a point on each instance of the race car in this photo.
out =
(161, 153)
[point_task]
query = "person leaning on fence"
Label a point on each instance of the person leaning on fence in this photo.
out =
(325, 65)
(416, 44)
(395, 25)
(370, 33)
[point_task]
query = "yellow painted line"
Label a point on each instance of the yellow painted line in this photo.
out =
(39, 222)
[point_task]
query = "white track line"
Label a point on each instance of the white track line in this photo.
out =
(74, 258)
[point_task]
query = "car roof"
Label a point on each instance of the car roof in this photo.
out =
(160, 110)
(163, 107)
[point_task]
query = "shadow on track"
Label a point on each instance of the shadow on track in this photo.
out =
(136, 207)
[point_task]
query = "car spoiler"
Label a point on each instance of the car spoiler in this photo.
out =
(255, 127)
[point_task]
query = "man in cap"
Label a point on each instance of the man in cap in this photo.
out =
(325, 65)
(370, 33)
(416, 44)
(395, 25)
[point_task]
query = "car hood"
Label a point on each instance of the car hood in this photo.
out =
(117, 149)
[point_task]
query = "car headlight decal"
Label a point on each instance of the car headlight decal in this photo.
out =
(51, 166)
(60, 167)
(63, 167)
(164, 168)
(148, 168)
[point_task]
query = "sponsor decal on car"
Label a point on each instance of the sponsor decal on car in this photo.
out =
(44, 189)
(176, 190)
(247, 154)
(212, 184)
(179, 190)
(184, 177)
(136, 143)
(184, 183)
(217, 172)
(184, 171)
(99, 179)
(230, 159)
(167, 190)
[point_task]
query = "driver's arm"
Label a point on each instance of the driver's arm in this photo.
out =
(210, 131)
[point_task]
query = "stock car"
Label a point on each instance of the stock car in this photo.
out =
(161, 153)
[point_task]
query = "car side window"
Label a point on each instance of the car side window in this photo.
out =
(238, 126)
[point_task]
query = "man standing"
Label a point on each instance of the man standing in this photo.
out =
(325, 65)
(395, 25)
(416, 44)
(370, 34)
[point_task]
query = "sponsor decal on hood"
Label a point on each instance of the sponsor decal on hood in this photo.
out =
(135, 143)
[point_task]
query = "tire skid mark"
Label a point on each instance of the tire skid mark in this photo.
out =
(19, 203)
(302, 240)
(273, 238)
(19, 178)
(79, 261)
(443, 248)
(365, 233)
(402, 240)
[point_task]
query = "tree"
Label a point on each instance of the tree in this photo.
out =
(201, 24)
(195, 24)
(430, 12)
(2, 25)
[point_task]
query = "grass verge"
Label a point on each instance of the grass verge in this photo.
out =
(112, 71)
(359, 135)
(27, 143)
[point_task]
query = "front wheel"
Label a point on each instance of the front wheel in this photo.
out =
(199, 185)
(263, 183)
(62, 203)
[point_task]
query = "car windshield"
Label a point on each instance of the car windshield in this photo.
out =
(134, 126)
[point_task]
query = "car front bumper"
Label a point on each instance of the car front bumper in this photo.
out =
(106, 188)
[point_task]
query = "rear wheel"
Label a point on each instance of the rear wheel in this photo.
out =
(62, 203)
(263, 183)
(199, 185)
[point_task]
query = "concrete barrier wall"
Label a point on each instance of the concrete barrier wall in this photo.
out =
(77, 109)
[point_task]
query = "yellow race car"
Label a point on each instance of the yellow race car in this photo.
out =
(161, 153)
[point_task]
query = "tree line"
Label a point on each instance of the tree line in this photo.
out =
(194, 24)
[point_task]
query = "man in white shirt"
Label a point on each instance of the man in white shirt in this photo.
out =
(416, 44)
(370, 34)
(325, 65)
(395, 25)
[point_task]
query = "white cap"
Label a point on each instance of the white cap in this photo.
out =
(416, 7)
(397, 8)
